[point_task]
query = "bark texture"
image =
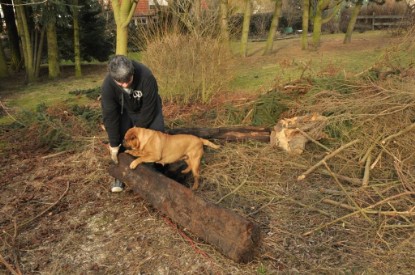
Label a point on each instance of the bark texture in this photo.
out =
(226, 133)
(245, 28)
(232, 234)
(274, 27)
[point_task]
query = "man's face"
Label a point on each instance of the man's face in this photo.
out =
(125, 84)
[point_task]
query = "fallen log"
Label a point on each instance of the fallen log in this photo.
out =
(230, 233)
(227, 133)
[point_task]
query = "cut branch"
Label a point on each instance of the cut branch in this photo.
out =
(9, 266)
(25, 223)
(329, 156)
(407, 129)
(359, 211)
(366, 176)
(385, 213)
(347, 195)
(227, 133)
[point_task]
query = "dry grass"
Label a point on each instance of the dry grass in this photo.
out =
(326, 223)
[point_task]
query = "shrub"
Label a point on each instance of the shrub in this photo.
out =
(188, 67)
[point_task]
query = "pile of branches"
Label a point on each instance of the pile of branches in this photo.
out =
(350, 196)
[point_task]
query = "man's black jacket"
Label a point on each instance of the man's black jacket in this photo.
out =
(141, 104)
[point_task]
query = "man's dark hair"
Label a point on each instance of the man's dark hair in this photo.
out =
(121, 68)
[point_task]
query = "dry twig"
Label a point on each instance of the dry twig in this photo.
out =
(366, 175)
(54, 155)
(358, 211)
(12, 117)
(369, 151)
(409, 213)
(313, 140)
(407, 129)
(348, 196)
(329, 156)
(9, 266)
(19, 227)
(232, 192)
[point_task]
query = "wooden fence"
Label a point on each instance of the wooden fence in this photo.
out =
(382, 21)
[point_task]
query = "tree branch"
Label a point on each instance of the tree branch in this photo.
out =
(329, 156)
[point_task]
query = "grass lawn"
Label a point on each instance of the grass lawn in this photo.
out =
(253, 74)
(288, 62)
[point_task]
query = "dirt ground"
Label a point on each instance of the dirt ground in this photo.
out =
(57, 215)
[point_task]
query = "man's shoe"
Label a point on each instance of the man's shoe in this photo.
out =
(117, 186)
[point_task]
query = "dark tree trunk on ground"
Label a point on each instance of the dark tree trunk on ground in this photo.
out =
(233, 235)
(227, 133)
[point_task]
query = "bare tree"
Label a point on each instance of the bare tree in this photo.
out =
(77, 48)
(224, 20)
(123, 12)
(350, 27)
(3, 64)
(331, 7)
(306, 14)
(53, 57)
(25, 38)
(12, 34)
(352, 22)
(274, 27)
(245, 28)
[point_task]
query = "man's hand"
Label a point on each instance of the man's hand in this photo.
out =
(114, 153)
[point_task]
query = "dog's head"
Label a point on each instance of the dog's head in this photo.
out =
(131, 139)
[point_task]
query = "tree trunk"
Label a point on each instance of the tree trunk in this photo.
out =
(318, 22)
(122, 14)
(3, 65)
(352, 22)
(274, 27)
(224, 20)
(77, 47)
(53, 58)
(24, 34)
(39, 47)
(306, 14)
(226, 133)
(233, 235)
(12, 34)
(333, 13)
(122, 40)
(245, 28)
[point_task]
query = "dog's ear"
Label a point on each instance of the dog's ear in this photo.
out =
(129, 135)
(130, 139)
(135, 142)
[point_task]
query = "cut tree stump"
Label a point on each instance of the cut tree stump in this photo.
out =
(227, 133)
(232, 234)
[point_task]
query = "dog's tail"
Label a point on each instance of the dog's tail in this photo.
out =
(210, 144)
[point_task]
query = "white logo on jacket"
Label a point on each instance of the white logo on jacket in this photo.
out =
(137, 94)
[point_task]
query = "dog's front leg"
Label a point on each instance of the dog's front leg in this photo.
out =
(135, 163)
(144, 158)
